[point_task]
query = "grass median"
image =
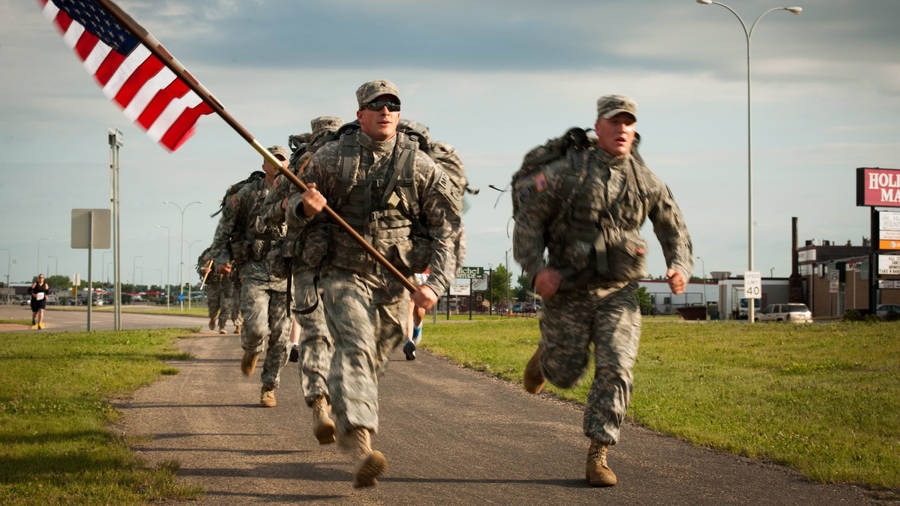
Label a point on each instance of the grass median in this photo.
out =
(823, 398)
(55, 394)
(141, 309)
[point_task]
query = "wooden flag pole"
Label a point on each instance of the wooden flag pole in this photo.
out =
(156, 47)
(208, 270)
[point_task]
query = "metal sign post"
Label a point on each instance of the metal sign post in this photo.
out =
(90, 229)
(752, 291)
(471, 273)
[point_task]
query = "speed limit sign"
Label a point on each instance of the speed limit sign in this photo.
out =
(752, 285)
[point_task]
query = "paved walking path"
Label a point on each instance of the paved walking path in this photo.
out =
(451, 436)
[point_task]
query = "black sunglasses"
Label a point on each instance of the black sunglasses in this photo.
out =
(378, 105)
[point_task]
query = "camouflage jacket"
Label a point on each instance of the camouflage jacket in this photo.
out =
(244, 239)
(586, 209)
(438, 209)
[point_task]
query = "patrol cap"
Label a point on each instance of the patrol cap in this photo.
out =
(280, 150)
(373, 89)
(324, 124)
(610, 105)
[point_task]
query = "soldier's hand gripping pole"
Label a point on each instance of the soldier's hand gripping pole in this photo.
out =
(208, 270)
(178, 69)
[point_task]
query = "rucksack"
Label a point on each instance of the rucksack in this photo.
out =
(570, 144)
(299, 146)
(236, 187)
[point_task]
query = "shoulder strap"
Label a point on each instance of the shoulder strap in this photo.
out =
(578, 169)
(402, 176)
(348, 165)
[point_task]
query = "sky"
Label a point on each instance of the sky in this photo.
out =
(494, 79)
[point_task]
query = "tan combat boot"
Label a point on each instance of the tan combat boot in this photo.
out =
(323, 426)
(597, 471)
(212, 323)
(248, 362)
(237, 328)
(534, 380)
(267, 397)
(371, 462)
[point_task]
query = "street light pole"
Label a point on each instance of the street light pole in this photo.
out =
(134, 269)
(8, 263)
(508, 307)
(39, 254)
(190, 284)
(703, 264)
(747, 35)
(168, 262)
(181, 249)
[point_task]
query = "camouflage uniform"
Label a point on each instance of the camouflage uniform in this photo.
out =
(365, 306)
(243, 238)
(233, 297)
(316, 345)
(586, 209)
(216, 290)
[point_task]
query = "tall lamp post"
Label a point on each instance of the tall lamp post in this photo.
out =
(181, 249)
(748, 34)
(168, 262)
(190, 255)
(103, 268)
(8, 263)
(508, 302)
(134, 270)
(703, 264)
(38, 262)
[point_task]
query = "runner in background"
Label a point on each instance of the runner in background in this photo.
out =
(415, 318)
(39, 291)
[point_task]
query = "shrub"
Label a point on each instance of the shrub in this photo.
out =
(854, 315)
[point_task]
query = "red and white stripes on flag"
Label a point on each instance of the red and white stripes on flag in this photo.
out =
(147, 91)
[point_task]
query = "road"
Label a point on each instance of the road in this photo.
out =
(451, 436)
(67, 320)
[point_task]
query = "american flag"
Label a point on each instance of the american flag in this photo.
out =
(147, 91)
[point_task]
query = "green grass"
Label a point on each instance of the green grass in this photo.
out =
(822, 398)
(17, 322)
(54, 412)
(173, 310)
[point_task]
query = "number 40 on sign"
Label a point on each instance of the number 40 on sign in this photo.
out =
(752, 285)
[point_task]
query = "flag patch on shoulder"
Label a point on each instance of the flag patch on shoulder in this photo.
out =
(540, 182)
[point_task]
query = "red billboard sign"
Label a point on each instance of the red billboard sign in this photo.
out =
(877, 187)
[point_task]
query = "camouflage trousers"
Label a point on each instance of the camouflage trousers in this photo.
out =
(223, 303)
(215, 303)
(571, 322)
(234, 302)
(267, 325)
(316, 351)
(367, 321)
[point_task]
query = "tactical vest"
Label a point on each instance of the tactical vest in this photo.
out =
(255, 239)
(381, 206)
(598, 235)
(592, 239)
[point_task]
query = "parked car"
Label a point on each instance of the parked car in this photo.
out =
(793, 312)
(884, 311)
(531, 308)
